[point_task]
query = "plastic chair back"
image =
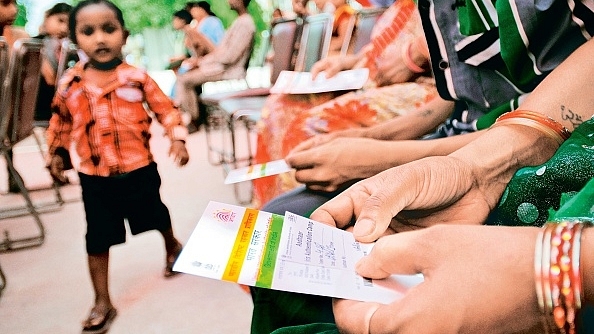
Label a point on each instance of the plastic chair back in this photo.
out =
(366, 20)
(19, 91)
(347, 43)
(68, 57)
(315, 41)
(283, 38)
(4, 59)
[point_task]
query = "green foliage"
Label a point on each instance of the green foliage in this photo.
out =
(21, 19)
(140, 14)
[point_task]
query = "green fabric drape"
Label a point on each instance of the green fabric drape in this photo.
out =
(534, 190)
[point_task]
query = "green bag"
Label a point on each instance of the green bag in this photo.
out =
(534, 190)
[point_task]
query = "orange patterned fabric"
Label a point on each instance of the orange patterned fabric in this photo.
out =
(109, 125)
(402, 12)
(287, 120)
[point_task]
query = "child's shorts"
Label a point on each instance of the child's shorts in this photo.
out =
(133, 196)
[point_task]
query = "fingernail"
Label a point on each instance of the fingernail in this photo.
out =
(363, 228)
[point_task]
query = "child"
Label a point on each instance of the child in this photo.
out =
(99, 108)
(53, 29)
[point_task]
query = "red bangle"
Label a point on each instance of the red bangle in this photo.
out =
(410, 64)
(422, 46)
(535, 120)
(558, 278)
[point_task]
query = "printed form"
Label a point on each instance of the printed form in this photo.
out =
(289, 253)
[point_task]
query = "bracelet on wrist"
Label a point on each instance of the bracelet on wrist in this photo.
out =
(408, 62)
(558, 279)
(544, 124)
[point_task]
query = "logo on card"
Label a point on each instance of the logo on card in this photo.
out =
(224, 215)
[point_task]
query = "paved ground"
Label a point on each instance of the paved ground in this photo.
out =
(48, 288)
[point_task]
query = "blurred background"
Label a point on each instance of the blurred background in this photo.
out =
(153, 41)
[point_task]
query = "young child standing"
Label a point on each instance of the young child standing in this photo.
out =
(99, 106)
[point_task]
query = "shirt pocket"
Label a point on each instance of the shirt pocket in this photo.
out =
(130, 94)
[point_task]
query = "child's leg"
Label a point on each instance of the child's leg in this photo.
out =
(98, 269)
(173, 247)
(103, 311)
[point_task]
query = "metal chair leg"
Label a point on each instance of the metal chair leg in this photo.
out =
(27, 242)
(55, 185)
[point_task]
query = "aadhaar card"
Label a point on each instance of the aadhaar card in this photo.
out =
(288, 253)
(257, 171)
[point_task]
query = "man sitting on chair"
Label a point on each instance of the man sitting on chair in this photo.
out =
(227, 61)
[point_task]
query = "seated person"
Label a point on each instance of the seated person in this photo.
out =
(465, 186)
(373, 150)
(206, 22)
(227, 61)
(196, 44)
(393, 90)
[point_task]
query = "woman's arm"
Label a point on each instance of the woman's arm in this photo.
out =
(447, 188)
(413, 125)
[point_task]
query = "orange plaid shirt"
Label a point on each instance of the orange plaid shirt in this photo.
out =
(109, 126)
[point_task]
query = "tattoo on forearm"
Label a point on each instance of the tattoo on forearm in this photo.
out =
(568, 115)
(426, 113)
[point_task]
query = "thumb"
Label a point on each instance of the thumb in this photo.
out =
(394, 254)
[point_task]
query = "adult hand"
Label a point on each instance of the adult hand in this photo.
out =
(478, 279)
(322, 139)
(418, 194)
(328, 166)
(334, 64)
(179, 152)
(329, 65)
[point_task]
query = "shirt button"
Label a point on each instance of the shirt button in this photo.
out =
(443, 64)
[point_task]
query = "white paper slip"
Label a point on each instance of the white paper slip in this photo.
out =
(291, 82)
(257, 171)
(290, 253)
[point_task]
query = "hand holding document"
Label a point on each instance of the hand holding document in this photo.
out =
(291, 82)
(257, 171)
(288, 253)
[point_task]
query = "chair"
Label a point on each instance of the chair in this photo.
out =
(366, 19)
(283, 36)
(3, 70)
(348, 37)
(245, 110)
(16, 123)
(67, 58)
(315, 41)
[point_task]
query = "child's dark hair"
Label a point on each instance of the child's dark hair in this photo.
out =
(59, 8)
(184, 15)
(85, 3)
